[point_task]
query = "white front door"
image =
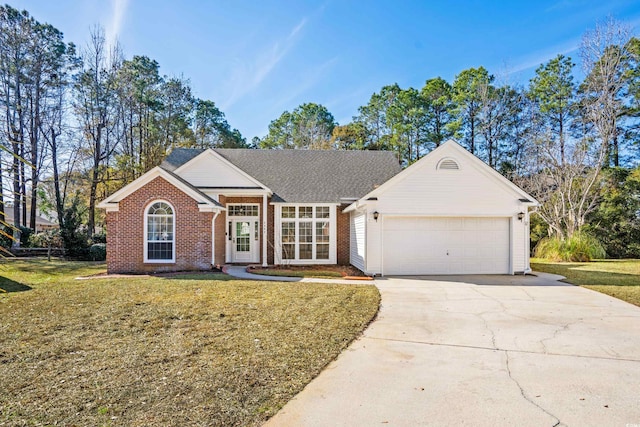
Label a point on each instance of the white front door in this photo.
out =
(243, 240)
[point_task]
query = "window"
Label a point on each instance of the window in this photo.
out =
(160, 236)
(306, 233)
(242, 210)
(288, 240)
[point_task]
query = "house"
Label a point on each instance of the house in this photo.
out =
(43, 222)
(448, 213)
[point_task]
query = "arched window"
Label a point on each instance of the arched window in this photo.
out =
(159, 233)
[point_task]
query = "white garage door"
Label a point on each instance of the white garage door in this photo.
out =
(421, 245)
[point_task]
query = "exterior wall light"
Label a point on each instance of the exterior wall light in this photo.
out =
(520, 216)
(376, 215)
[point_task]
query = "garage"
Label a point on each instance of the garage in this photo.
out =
(418, 245)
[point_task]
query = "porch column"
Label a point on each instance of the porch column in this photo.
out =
(264, 230)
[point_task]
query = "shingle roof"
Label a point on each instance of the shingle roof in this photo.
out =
(303, 176)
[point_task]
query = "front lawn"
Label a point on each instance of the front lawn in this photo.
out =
(618, 278)
(311, 271)
(198, 349)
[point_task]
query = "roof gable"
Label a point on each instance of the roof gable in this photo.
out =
(210, 170)
(205, 202)
(442, 168)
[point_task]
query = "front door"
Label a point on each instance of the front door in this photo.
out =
(243, 240)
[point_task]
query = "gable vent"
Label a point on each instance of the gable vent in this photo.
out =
(448, 164)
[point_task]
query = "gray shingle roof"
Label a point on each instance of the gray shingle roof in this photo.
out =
(304, 176)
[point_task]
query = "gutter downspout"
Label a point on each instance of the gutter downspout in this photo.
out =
(264, 230)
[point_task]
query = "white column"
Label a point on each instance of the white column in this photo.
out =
(264, 230)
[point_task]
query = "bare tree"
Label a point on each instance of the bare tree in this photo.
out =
(604, 61)
(95, 107)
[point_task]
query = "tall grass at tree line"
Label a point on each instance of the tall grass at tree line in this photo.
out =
(579, 247)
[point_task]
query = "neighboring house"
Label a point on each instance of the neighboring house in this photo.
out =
(42, 223)
(449, 213)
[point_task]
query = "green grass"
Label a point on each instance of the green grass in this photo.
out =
(618, 278)
(197, 349)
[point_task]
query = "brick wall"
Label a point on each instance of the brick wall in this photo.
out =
(125, 228)
(343, 240)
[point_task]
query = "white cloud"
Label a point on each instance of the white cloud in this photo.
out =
(540, 57)
(119, 8)
(246, 77)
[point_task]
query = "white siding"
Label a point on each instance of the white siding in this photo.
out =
(469, 191)
(521, 244)
(358, 242)
(207, 170)
(472, 191)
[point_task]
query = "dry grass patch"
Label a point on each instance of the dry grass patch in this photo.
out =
(199, 349)
(618, 278)
(311, 271)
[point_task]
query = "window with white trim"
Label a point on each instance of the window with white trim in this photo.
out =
(159, 233)
(306, 233)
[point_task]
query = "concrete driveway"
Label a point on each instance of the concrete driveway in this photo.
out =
(482, 351)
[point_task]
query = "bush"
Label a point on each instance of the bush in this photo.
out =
(99, 238)
(580, 247)
(45, 238)
(98, 252)
(25, 234)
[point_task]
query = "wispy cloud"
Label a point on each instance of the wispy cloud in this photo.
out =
(307, 81)
(114, 26)
(539, 57)
(246, 78)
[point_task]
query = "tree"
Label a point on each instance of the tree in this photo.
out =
(437, 94)
(95, 107)
(605, 60)
(468, 89)
(553, 90)
(406, 117)
(308, 126)
(352, 136)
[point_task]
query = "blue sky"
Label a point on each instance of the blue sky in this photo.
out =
(255, 59)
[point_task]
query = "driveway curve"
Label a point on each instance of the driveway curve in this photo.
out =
(482, 351)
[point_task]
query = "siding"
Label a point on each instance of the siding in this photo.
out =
(358, 247)
(209, 171)
(471, 191)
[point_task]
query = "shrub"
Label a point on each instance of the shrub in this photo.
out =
(45, 238)
(99, 238)
(25, 234)
(580, 247)
(98, 252)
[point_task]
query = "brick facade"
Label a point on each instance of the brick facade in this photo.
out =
(193, 237)
(125, 230)
(343, 240)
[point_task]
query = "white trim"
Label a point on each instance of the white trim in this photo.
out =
(264, 230)
(333, 229)
(254, 246)
(221, 158)
(234, 192)
(146, 230)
